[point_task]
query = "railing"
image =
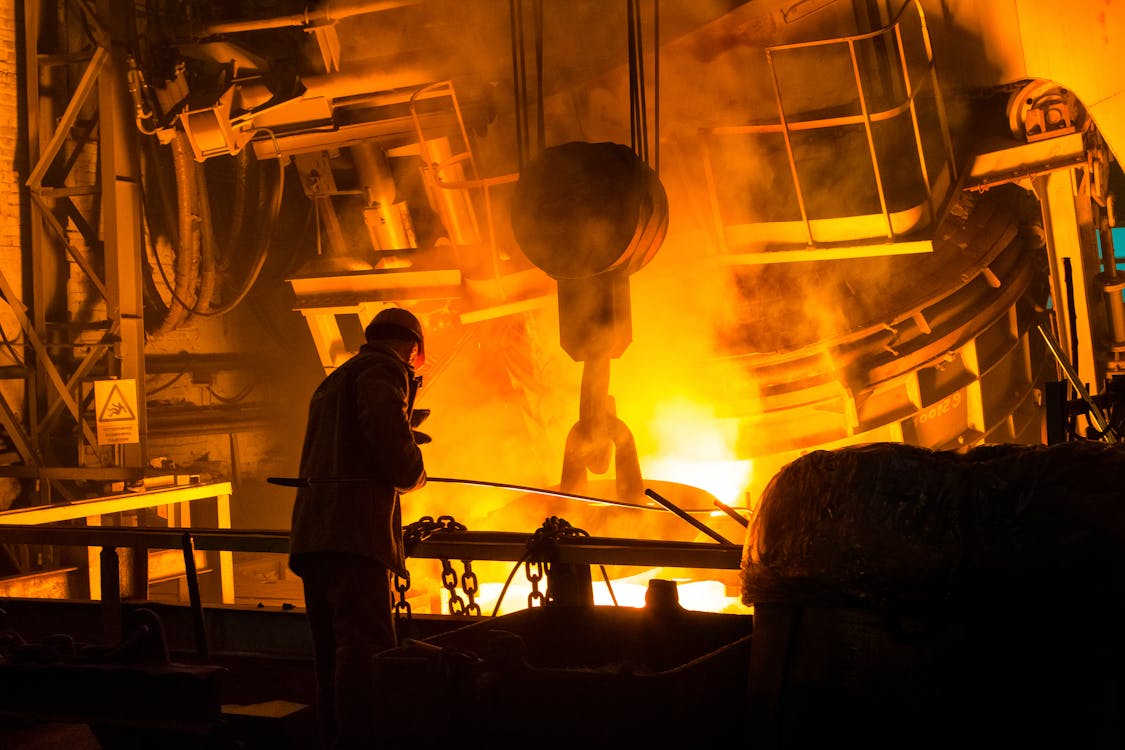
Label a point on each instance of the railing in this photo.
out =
(444, 545)
(175, 499)
(836, 98)
(454, 182)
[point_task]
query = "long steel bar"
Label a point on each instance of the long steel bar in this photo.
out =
(45, 362)
(326, 14)
(306, 481)
(1096, 414)
(693, 521)
(86, 86)
(113, 504)
(60, 233)
(454, 545)
(870, 141)
(199, 625)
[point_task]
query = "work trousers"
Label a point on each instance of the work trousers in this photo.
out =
(348, 602)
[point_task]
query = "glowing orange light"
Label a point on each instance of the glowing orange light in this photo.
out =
(696, 449)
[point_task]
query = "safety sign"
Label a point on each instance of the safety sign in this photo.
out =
(115, 403)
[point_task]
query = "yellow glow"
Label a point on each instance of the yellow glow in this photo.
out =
(695, 448)
(698, 596)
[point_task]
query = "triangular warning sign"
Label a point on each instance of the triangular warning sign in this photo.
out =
(116, 409)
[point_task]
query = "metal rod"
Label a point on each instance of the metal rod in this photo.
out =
(109, 568)
(732, 513)
(682, 514)
(307, 481)
(1096, 415)
(326, 15)
(193, 595)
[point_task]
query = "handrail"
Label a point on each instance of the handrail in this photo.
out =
(902, 102)
(447, 545)
(114, 503)
(475, 545)
(852, 37)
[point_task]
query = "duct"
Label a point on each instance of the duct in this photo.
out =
(446, 177)
(387, 221)
(327, 12)
(405, 70)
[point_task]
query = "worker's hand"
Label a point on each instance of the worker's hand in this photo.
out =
(418, 416)
(421, 438)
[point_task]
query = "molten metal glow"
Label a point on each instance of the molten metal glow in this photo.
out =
(695, 448)
(696, 595)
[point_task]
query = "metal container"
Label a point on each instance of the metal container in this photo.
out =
(606, 673)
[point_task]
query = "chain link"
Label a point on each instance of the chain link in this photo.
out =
(449, 581)
(420, 531)
(470, 586)
(425, 527)
(536, 598)
(401, 606)
(541, 549)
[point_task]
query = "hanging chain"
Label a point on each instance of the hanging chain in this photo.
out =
(470, 586)
(401, 606)
(449, 580)
(536, 598)
(421, 530)
(540, 550)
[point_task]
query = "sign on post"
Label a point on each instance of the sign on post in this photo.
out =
(115, 403)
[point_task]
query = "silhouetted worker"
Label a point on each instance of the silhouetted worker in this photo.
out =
(346, 539)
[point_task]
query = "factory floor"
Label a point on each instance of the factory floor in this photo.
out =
(272, 725)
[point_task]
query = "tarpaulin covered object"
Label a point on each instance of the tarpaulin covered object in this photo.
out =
(905, 597)
(900, 526)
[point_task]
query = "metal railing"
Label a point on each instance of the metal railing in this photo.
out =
(892, 74)
(455, 545)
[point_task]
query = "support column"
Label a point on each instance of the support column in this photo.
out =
(1074, 267)
(121, 214)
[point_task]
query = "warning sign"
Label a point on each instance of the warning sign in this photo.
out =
(115, 403)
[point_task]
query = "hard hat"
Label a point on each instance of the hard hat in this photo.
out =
(398, 323)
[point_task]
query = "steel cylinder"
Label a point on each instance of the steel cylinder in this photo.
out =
(581, 209)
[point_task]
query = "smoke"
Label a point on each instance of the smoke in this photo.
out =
(503, 408)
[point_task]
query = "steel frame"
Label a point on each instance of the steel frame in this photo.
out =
(59, 367)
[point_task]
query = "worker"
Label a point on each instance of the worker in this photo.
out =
(346, 544)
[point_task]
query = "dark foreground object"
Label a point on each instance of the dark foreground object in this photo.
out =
(574, 676)
(912, 598)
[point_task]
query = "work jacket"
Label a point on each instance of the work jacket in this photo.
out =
(358, 427)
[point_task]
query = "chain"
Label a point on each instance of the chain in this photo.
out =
(470, 587)
(423, 529)
(449, 580)
(540, 550)
(536, 598)
(401, 606)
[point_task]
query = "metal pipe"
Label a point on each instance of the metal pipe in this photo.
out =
(702, 527)
(383, 216)
(1096, 415)
(407, 70)
(198, 624)
(328, 13)
(308, 481)
(732, 513)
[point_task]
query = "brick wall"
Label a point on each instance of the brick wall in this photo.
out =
(9, 130)
(10, 98)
